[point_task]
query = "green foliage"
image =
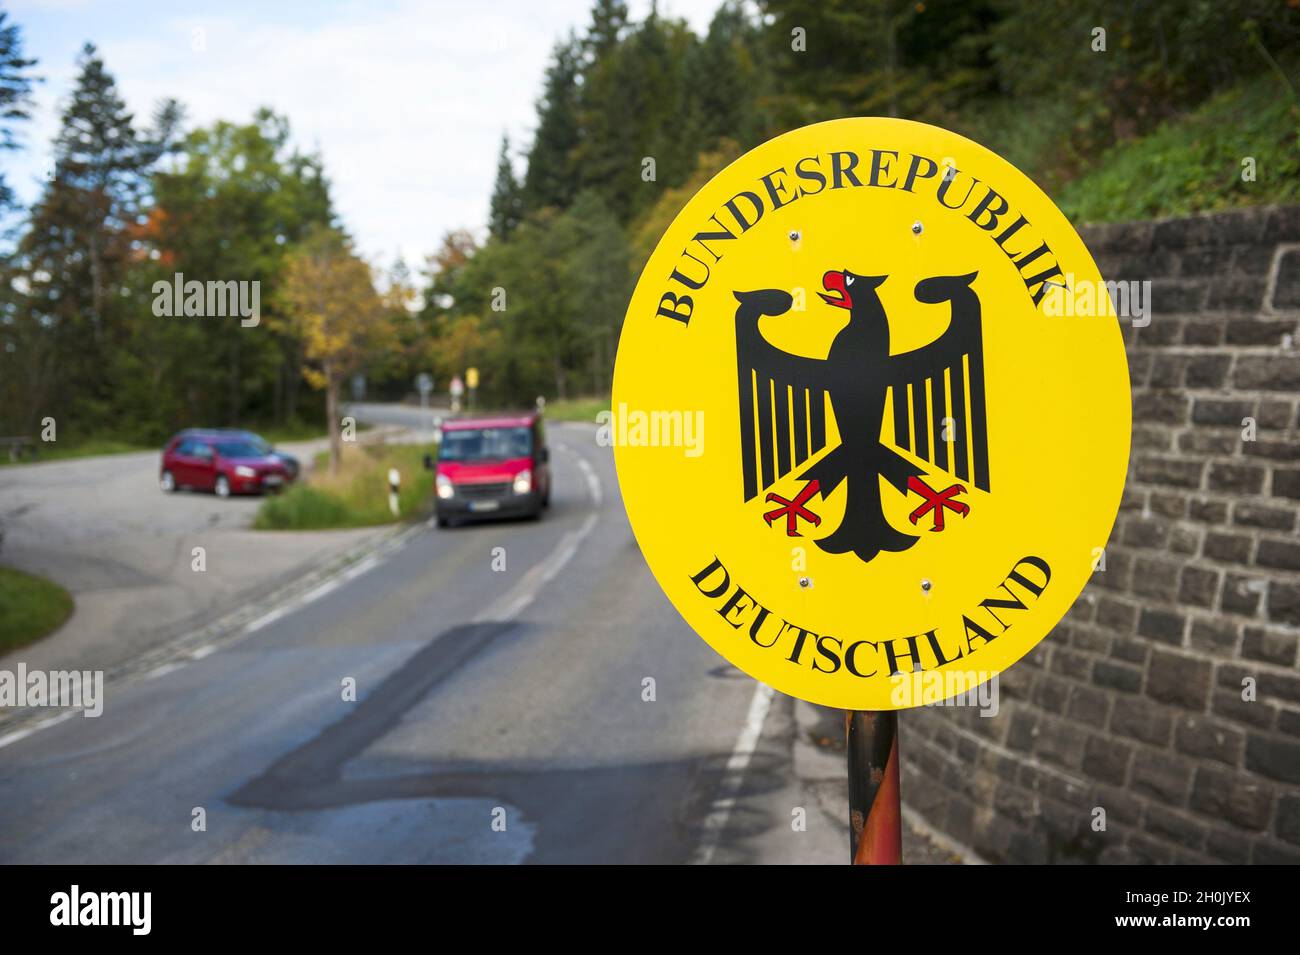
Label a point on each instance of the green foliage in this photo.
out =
(30, 607)
(65, 449)
(71, 323)
(876, 57)
(1156, 123)
(1194, 163)
(584, 410)
(356, 497)
(1161, 58)
(130, 207)
(15, 93)
(303, 508)
(234, 205)
(565, 279)
(551, 177)
(507, 203)
(1024, 79)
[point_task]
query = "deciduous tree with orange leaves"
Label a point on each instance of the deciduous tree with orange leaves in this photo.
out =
(331, 303)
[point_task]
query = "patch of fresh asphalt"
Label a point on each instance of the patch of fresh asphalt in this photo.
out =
(538, 717)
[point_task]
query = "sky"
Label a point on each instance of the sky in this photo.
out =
(405, 100)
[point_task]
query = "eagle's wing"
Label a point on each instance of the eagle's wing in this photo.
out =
(782, 406)
(917, 379)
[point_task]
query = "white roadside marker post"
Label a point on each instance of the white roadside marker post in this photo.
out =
(394, 485)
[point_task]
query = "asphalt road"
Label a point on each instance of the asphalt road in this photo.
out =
(500, 716)
(101, 528)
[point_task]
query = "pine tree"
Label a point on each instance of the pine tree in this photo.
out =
(15, 93)
(608, 19)
(551, 178)
(631, 97)
(723, 81)
(506, 206)
(78, 246)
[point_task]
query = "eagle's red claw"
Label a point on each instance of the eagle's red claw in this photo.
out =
(794, 509)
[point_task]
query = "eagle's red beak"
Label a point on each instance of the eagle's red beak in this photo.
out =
(834, 282)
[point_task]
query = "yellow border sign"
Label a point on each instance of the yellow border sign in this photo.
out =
(871, 414)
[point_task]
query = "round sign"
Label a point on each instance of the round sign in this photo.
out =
(871, 414)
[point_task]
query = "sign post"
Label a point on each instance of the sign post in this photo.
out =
(471, 381)
(875, 798)
(424, 385)
(457, 389)
(864, 451)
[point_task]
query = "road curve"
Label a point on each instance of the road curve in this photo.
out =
(499, 716)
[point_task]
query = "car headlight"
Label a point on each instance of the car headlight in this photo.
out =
(245, 471)
(445, 488)
(523, 482)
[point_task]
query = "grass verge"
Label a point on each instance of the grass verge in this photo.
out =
(357, 496)
(30, 607)
(1196, 163)
(55, 451)
(94, 447)
(576, 409)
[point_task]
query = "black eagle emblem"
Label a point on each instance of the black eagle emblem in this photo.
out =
(783, 410)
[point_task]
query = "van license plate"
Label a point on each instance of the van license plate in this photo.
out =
(483, 505)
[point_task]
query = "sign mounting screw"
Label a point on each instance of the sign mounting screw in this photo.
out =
(917, 228)
(926, 585)
(794, 235)
(805, 582)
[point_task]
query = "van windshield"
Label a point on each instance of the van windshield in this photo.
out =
(485, 444)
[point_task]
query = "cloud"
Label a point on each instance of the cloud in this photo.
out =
(406, 101)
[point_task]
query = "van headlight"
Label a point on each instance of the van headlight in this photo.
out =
(445, 488)
(244, 470)
(523, 482)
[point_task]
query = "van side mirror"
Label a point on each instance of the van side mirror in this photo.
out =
(545, 456)
(428, 462)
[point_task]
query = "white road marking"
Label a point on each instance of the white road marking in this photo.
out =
(517, 599)
(267, 619)
(514, 602)
(539, 575)
(297, 603)
(593, 482)
(16, 735)
(734, 773)
(356, 570)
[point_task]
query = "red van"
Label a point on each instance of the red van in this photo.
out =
(490, 467)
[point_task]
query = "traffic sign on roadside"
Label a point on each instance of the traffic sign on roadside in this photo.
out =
(424, 383)
(471, 378)
(863, 451)
(457, 387)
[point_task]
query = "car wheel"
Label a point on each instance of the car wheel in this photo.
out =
(222, 487)
(167, 482)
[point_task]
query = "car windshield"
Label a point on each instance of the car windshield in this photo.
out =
(263, 446)
(238, 449)
(485, 444)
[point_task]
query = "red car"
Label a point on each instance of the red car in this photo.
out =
(225, 464)
(491, 467)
